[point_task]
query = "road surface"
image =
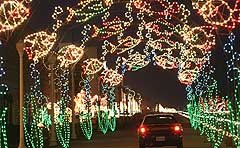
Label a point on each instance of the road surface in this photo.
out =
(127, 138)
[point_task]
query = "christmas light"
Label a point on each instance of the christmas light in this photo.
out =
(69, 54)
(56, 16)
(3, 87)
(123, 45)
(92, 66)
(110, 28)
(103, 121)
(90, 8)
(12, 14)
(211, 113)
(111, 77)
(161, 8)
(87, 109)
(136, 61)
(110, 116)
(38, 45)
(3, 108)
(32, 112)
(219, 12)
(3, 123)
(63, 113)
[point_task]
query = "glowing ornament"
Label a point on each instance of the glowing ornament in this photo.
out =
(161, 8)
(92, 66)
(12, 14)
(123, 45)
(219, 12)
(135, 61)
(69, 54)
(199, 37)
(188, 71)
(166, 61)
(110, 28)
(38, 45)
(90, 8)
(111, 77)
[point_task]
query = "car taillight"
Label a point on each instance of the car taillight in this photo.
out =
(142, 130)
(177, 129)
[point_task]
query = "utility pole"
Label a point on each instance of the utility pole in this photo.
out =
(52, 60)
(20, 48)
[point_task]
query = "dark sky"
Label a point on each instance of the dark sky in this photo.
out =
(155, 84)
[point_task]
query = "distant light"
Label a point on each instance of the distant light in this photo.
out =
(0, 43)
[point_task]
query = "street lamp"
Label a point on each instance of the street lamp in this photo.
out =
(52, 60)
(20, 48)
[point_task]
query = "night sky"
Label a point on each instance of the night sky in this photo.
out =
(154, 83)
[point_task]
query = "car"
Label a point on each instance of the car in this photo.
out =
(160, 129)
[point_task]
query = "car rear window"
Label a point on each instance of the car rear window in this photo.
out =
(159, 120)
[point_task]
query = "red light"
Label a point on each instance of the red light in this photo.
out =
(142, 130)
(177, 128)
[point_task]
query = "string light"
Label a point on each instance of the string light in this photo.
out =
(90, 8)
(3, 132)
(92, 66)
(212, 114)
(38, 45)
(86, 112)
(3, 87)
(123, 45)
(32, 112)
(135, 61)
(3, 108)
(64, 116)
(56, 16)
(218, 12)
(110, 28)
(69, 54)
(12, 14)
(111, 77)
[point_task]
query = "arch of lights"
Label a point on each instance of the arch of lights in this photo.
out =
(162, 37)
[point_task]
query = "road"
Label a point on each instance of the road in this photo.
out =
(127, 138)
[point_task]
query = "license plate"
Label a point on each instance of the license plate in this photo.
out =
(161, 138)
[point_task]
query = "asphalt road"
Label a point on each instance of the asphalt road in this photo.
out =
(127, 138)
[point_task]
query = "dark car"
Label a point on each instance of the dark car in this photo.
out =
(160, 130)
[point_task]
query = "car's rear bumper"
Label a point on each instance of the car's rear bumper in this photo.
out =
(160, 140)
